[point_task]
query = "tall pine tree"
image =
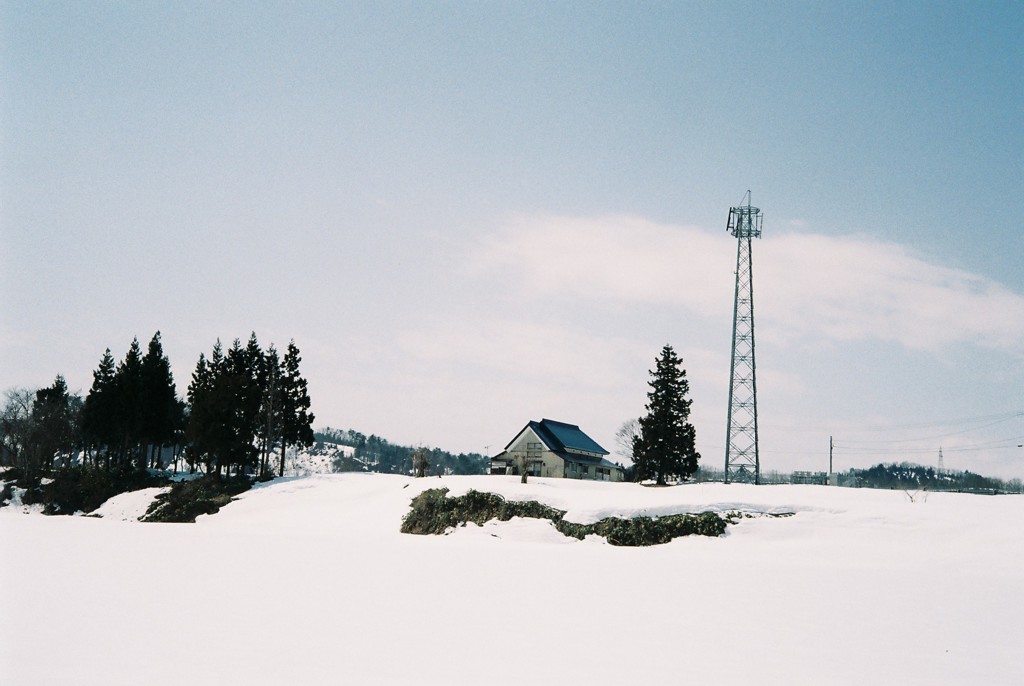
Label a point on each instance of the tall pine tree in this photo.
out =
(246, 373)
(158, 401)
(128, 410)
(296, 419)
(99, 413)
(665, 447)
(270, 407)
(201, 419)
(53, 427)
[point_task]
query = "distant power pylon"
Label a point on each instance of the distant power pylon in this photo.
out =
(742, 462)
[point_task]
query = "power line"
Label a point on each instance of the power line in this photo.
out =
(945, 435)
(897, 427)
(1000, 444)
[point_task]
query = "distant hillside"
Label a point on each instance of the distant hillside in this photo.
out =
(346, 450)
(906, 475)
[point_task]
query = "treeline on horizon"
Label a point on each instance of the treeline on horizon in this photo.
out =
(242, 405)
(906, 475)
(889, 475)
(375, 454)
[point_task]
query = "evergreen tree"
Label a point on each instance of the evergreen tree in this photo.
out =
(296, 419)
(666, 447)
(217, 358)
(270, 407)
(158, 399)
(244, 383)
(128, 405)
(53, 427)
(199, 430)
(180, 427)
(99, 414)
(218, 410)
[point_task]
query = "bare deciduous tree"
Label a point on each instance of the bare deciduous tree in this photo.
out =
(16, 425)
(626, 436)
(420, 462)
(522, 462)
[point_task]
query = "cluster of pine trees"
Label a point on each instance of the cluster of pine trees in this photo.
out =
(242, 405)
(132, 409)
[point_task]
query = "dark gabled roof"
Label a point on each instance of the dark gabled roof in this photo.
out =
(560, 437)
(568, 437)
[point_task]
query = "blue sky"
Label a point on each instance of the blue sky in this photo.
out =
(470, 215)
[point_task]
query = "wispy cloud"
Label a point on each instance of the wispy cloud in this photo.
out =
(807, 286)
(858, 288)
(616, 257)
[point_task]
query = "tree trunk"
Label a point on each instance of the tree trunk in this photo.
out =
(283, 444)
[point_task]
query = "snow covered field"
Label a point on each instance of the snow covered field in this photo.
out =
(308, 581)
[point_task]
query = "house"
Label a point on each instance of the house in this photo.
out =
(556, 449)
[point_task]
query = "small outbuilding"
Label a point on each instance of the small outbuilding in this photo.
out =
(556, 449)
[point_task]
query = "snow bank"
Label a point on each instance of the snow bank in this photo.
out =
(308, 581)
(16, 505)
(131, 506)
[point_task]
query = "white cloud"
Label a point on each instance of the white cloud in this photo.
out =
(856, 288)
(615, 257)
(807, 286)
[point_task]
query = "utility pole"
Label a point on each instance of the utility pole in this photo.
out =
(831, 477)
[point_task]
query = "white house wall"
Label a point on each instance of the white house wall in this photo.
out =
(521, 443)
(552, 464)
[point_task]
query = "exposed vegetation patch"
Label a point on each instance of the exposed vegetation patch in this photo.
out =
(77, 489)
(648, 530)
(189, 499)
(432, 512)
(6, 492)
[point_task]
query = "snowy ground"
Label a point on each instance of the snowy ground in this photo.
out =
(307, 581)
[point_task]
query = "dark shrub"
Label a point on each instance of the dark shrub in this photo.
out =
(188, 499)
(432, 512)
(85, 488)
(6, 493)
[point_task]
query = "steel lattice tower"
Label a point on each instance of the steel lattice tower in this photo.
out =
(742, 462)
